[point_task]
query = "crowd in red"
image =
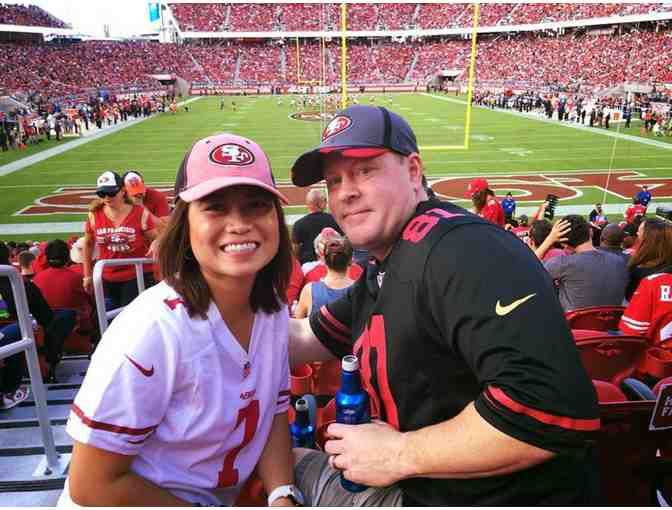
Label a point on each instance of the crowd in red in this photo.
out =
(595, 60)
(28, 15)
(371, 16)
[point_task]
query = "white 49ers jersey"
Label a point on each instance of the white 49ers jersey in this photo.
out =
(183, 397)
(650, 311)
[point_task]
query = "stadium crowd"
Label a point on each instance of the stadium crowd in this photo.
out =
(28, 15)
(372, 16)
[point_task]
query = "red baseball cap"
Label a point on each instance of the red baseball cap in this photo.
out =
(221, 161)
(475, 186)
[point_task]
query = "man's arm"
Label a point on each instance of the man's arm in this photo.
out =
(466, 446)
(304, 346)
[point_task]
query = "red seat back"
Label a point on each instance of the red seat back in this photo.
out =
(611, 358)
(608, 392)
(601, 318)
(629, 466)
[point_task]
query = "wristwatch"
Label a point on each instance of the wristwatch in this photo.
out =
(286, 491)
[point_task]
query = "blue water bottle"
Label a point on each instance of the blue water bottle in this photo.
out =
(302, 430)
(352, 405)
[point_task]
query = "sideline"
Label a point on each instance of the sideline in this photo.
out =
(568, 124)
(22, 163)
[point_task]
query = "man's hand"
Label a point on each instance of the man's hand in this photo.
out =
(370, 454)
(559, 231)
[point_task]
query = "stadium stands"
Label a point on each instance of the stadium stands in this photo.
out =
(28, 15)
(370, 16)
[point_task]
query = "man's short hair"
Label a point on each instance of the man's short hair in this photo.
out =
(25, 259)
(316, 197)
(579, 230)
(57, 253)
(612, 235)
(539, 231)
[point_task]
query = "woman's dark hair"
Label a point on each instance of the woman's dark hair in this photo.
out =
(181, 270)
(655, 247)
(338, 255)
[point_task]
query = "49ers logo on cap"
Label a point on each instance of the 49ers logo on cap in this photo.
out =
(337, 125)
(232, 154)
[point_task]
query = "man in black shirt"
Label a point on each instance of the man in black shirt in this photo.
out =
(474, 374)
(307, 228)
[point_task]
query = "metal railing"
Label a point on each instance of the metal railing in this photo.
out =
(104, 316)
(55, 464)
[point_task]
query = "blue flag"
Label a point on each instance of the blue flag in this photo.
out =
(153, 11)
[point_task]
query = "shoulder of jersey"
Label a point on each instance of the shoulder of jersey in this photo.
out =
(427, 228)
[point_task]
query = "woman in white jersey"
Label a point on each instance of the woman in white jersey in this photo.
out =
(189, 388)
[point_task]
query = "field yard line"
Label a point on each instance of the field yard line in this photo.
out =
(572, 125)
(20, 164)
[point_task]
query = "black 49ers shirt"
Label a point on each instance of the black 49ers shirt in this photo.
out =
(460, 311)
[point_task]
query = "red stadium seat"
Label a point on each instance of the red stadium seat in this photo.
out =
(657, 363)
(601, 318)
(630, 467)
(611, 358)
(661, 383)
(608, 392)
(586, 334)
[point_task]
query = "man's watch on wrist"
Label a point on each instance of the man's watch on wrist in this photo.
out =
(286, 491)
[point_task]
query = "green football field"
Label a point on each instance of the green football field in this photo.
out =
(500, 143)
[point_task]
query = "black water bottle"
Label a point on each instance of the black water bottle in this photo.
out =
(302, 430)
(352, 405)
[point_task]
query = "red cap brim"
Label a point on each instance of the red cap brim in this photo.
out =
(356, 152)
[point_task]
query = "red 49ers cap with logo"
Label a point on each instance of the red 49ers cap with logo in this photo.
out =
(359, 131)
(221, 161)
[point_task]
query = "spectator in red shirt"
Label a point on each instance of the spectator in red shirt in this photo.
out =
(636, 209)
(63, 288)
(120, 230)
(485, 202)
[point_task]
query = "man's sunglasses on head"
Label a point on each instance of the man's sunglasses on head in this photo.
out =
(103, 194)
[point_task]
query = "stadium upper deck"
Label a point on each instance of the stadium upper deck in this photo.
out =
(218, 17)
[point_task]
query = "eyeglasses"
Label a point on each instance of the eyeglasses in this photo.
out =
(103, 194)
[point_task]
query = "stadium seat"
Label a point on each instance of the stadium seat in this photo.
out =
(327, 377)
(586, 334)
(608, 392)
(656, 363)
(601, 318)
(301, 380)
(611, 358)
(630, 467)
(660, 384)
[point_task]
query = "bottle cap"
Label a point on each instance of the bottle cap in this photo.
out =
(301, 405)
(350, 363)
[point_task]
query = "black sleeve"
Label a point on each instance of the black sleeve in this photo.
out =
(38, 306)
(296, 233)
(332, 325)
(494, 306)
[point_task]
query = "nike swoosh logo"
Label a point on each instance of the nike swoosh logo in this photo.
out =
(143, 370)
(506, 310)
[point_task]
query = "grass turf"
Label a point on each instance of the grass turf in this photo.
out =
(499, 143)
